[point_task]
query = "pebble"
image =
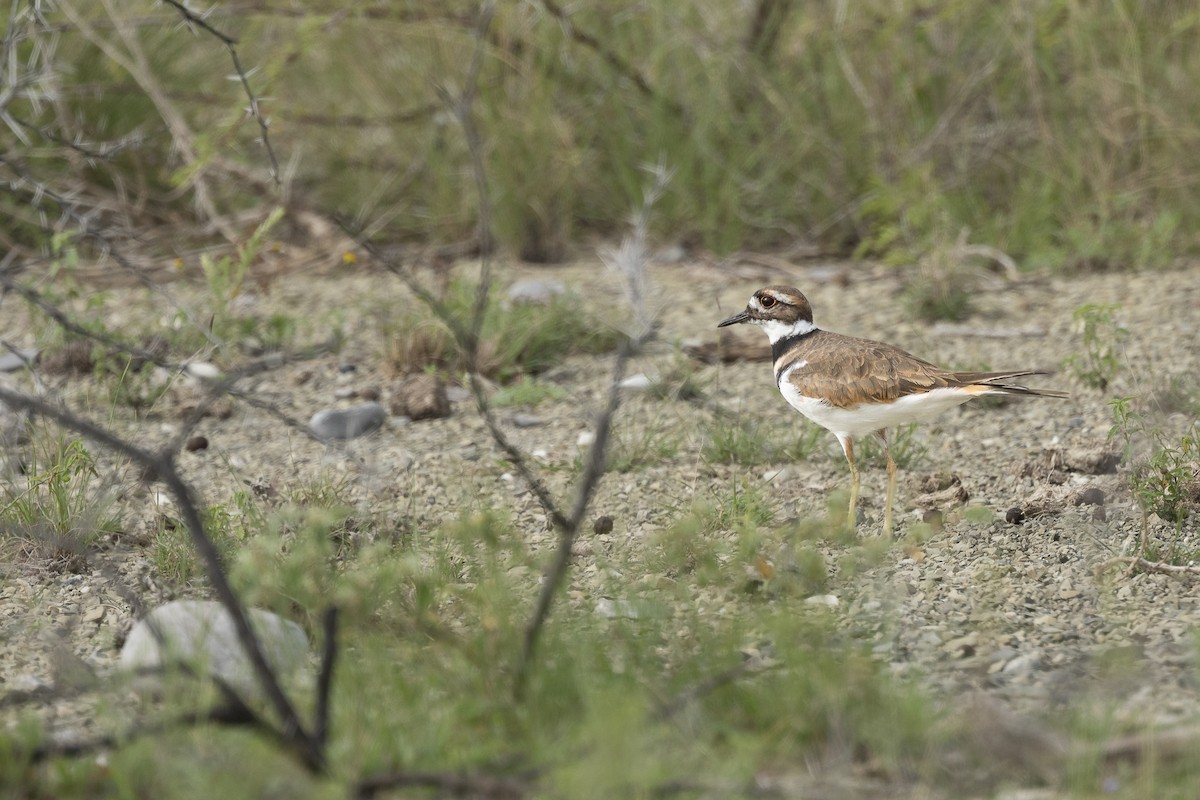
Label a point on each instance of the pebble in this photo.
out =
(585, 439)
(196, 443)
(11, 362)
(637, 383)
(203, 369)
(349, 423)
(612, 609)
(823, 600)
(536, 291)
(523, 420)
(456, 394)
(1026, 662)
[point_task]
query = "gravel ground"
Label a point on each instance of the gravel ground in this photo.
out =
(1019, 611)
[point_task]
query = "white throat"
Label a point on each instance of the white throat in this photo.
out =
(777, 330)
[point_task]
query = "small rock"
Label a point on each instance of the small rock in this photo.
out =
(1027, 662)
(1091, 496)
(670, 254)
(349, 423)
(94, 614)
(602, 524)
(345, 392)
(347, 368)
(611, 609)
(824, 600)
(420, 396)
(202, 633)
(456, 394)
(27, 684)
(962, 646)
(776, 475)
(203, 369)
(637, 383)
(13, 361)
(1014, 516)
(533, 290)
(933, 518)
(522, 420)
(196, 443)
(369, 393)
(585, 439)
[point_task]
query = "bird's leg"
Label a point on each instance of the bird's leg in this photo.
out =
(891, 485)
(848, 448)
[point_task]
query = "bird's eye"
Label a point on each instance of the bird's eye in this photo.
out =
(767, 301)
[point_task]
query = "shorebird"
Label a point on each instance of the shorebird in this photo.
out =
(854, 387)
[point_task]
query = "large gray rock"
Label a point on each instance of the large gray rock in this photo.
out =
(201, 634)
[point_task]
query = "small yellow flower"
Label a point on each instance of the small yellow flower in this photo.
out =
(349, 258)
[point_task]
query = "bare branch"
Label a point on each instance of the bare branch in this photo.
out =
(1138, 562)
(629, 261)
(329, 628)
(618, 64)
(255, 107)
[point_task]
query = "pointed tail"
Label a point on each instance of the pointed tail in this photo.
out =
(997, 383)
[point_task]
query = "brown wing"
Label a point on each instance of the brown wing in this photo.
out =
(847, 371)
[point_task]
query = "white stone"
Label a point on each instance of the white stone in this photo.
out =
(826, 600)
(637, 383)
(203, 369)
(201, 633)
(611, 609)
(533, 290)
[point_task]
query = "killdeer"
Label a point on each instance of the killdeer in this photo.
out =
(855, 387)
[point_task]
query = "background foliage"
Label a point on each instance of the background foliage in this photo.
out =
(1062, 133)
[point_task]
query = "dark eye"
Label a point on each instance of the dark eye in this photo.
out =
(767, 301)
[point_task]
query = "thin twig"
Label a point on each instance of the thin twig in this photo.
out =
(629, 261)
(614, 61)
(462, 106)
(1138, 562)
(255, 108)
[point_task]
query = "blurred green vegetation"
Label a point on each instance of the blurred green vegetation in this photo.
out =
(1062, 133)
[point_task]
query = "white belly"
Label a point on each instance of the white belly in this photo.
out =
(871, 417)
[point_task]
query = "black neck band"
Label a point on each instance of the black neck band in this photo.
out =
(781, 346)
